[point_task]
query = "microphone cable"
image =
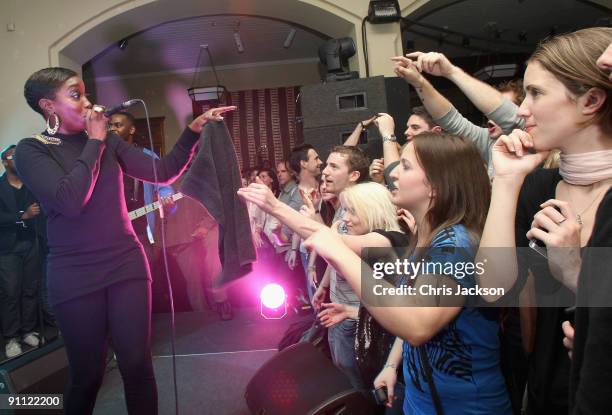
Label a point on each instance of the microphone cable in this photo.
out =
(165, 261)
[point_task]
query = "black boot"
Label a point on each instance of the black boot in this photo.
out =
(225, 310)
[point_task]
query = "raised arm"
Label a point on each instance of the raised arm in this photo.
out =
(440, 109)
(483, 96)
(434, 102)
(512, 163)
(353, 139)
(139, 165)
(261, 196)
(386, 127)
(416, 324)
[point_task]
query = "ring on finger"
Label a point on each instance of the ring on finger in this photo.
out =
(561, 221)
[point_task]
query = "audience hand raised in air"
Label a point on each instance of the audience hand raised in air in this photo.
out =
(260, 195)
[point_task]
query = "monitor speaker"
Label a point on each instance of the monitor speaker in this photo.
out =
(40, 371)
(301, 380)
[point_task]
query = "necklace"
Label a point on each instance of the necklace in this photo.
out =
(579, 214)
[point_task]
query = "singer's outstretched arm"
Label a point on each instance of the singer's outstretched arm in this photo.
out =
(137, 164)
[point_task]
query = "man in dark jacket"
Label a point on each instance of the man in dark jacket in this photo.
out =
(19, 259)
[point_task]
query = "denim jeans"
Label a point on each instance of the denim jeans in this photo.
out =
(309, 287)
(341, 339)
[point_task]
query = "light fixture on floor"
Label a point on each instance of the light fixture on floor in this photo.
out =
(273, 301)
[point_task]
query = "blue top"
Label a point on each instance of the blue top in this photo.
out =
(464, 356)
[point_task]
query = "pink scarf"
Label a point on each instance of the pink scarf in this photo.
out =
(584, 169)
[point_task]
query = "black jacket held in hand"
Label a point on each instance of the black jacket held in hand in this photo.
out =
(213, 180)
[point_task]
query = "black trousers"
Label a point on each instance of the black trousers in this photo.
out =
(123, 313)
(20, 274)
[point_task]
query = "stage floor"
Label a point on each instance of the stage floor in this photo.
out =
(214, 362)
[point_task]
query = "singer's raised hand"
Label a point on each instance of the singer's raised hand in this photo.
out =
(213, 114)
(96, 125)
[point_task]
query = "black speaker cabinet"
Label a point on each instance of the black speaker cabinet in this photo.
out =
(300, 380)
(332, 110)
(343, 102)
(40, 371)
(325, 138)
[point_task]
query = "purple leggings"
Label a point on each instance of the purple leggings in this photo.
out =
(122, 312)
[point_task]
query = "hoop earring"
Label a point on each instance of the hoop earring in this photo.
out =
(56, 124)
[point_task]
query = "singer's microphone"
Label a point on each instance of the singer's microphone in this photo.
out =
(109, 111)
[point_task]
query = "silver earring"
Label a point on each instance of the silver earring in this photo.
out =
(56, 124)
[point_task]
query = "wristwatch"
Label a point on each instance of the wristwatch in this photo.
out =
(389, 138)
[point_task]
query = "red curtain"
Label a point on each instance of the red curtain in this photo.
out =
(263, 127)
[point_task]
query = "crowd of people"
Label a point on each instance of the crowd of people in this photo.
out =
(538, 172)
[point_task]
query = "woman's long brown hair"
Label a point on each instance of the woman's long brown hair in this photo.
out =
(458, 177)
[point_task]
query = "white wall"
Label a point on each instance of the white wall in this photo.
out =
(47, 32)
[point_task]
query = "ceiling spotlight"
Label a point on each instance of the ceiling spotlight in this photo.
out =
(238, 42)
(289, 39)
(122, 44)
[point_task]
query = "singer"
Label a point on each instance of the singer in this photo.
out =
(98, 276)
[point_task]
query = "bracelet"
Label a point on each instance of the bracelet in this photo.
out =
(392, 365)
(363, 126)
(389, 138)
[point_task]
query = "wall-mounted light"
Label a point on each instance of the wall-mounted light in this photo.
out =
(383, 11)
(122, 44)
(289, 39)
(238, 42)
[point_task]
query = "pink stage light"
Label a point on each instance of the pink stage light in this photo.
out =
(272, 296)
(273, 301)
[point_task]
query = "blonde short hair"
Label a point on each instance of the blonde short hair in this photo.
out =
(372, 203)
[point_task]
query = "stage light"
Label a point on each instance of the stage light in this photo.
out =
(334, 54)
(273, 301)
(289, 39)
